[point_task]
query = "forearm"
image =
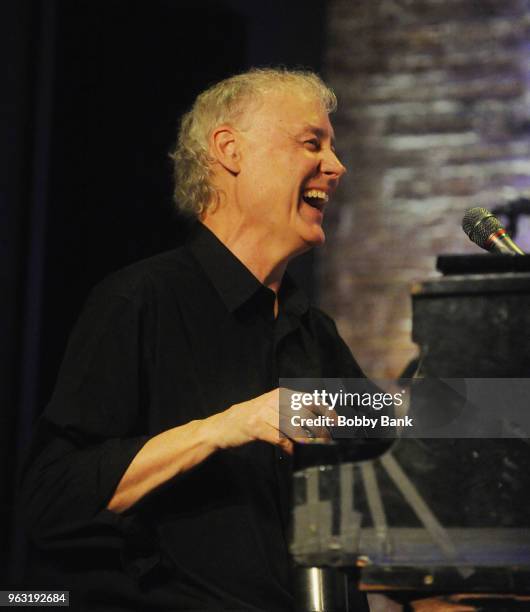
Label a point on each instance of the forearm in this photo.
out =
(163, 457)
(178, 450)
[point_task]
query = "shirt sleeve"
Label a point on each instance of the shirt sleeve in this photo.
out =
(91, 429)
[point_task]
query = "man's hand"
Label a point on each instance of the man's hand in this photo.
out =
(268, 417)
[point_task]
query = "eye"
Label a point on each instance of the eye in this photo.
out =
(313, 144)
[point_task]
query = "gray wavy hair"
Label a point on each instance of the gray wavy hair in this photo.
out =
(225, 102)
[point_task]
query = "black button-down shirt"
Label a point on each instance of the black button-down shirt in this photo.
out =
(174, 338)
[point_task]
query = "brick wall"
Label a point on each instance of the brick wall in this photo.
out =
(434, 117)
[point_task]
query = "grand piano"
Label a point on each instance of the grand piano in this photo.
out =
(433, 515)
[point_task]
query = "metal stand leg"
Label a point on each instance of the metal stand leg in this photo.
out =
(319, 589)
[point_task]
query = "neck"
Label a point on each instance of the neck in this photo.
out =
(253, 248)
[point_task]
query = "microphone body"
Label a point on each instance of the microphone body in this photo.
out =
(500, 242)
(484, 229)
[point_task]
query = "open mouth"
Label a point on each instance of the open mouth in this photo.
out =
(315, 198)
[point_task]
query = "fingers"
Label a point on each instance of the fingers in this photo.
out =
(269, 417)
(305, 423)
(271, 434)
(275, 426)
(286, 445)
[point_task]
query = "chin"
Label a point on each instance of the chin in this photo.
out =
(316, 238)
(307, 238)
(310, 242)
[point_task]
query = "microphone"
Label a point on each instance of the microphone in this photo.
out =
(484, 229)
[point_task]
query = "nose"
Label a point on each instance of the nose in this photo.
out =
(331, 164)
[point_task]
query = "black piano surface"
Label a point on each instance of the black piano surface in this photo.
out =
(473, 322)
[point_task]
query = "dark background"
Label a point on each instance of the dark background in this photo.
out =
(91, 95)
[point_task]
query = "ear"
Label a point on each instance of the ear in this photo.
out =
(224, 147)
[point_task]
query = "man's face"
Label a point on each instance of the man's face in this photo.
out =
(289, 169)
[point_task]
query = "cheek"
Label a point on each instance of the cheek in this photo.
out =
(277, 176)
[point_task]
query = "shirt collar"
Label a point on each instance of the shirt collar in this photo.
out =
(234, 282)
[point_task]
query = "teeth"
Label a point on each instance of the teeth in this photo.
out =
(316, 193)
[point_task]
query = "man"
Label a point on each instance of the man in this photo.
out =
(159, 478)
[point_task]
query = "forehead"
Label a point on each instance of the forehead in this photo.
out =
(292, 112)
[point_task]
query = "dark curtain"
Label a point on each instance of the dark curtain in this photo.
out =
(92, 92)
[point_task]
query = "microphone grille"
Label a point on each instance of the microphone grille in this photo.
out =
(479, 223)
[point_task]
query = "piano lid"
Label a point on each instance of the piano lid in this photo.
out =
(482, 264)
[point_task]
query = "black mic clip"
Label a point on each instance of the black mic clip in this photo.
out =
(512, 210)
